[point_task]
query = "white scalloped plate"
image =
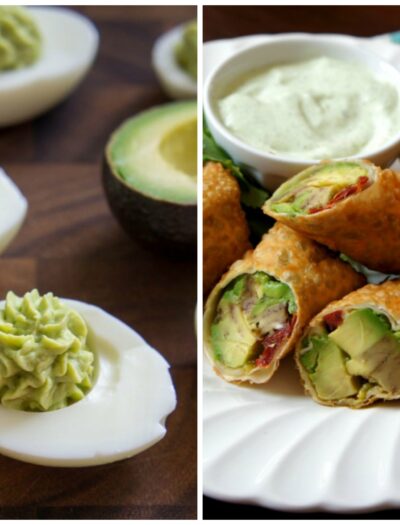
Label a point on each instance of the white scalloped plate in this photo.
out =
(272, 445)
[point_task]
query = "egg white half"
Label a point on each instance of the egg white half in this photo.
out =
(70, 43)
(176, 82)
(13, 208)
(123, 414)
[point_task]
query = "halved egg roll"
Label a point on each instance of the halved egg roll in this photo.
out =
(349, 355)
(350, 206)
(256, 313)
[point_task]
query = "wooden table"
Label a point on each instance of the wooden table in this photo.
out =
(70, 244)
(233, 21)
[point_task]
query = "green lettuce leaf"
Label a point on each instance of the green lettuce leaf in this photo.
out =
(253, 195)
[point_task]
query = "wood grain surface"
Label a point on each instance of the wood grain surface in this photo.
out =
(234, 21)
(71, 244)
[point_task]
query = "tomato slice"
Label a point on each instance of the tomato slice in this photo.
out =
(343, 194)
(273, 341)
(333, 320)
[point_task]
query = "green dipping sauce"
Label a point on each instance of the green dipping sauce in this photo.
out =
(20, 39)
(186, 50)
(45, 362)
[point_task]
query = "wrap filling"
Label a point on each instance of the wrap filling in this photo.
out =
(352, 352)
(321, 187)
(255, 315)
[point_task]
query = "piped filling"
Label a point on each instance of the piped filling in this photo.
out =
(321, 187)
(352, 352)
(45, 361)
(255, 315)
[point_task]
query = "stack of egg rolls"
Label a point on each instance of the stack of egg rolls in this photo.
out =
(290, 292)
(256, 313)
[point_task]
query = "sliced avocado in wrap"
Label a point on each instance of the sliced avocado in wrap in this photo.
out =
(362, 353)
(251, 308)
(321, 186)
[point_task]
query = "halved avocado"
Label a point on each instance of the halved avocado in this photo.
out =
(150, 176)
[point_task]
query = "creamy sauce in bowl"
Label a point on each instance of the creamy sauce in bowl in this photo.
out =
(314, 109)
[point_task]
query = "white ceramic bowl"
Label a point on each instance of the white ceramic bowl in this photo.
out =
(70, 44)
(272, 170)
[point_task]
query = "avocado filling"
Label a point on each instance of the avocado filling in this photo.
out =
(20, 38)
(320, 187)
(186, 49)
(351, 353)
(253, 318)
(45, 362)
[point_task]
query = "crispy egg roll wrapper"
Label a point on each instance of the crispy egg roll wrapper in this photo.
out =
(314, 275)
(225, 230)
(364, 226)
(383, 297)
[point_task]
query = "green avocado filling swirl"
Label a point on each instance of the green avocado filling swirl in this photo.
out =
(186, 49)
(45, 363)
(253, 316)
(360, 354)
(20, 39)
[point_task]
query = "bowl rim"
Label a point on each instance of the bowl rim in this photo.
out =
(338, 40)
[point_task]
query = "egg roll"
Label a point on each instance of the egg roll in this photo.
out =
(255, 314)
(351, 206)
(225, 230)
(349, 355)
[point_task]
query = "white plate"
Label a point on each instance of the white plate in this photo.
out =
(70, 44)
(13, 208)
(273, 446)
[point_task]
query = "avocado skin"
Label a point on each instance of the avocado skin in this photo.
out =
(164, 226)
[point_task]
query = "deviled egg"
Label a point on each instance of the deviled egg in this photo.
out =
(77, 386)
(59, 46)
(13, 208)
(174, 60)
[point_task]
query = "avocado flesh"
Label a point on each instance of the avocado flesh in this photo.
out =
(315, 187)
(380, 364)
(179, 147)
(373, 357)
(233, 341)
(250, 307)
(360, 330)
(155, 153)
(325, 363)
(374, 350)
